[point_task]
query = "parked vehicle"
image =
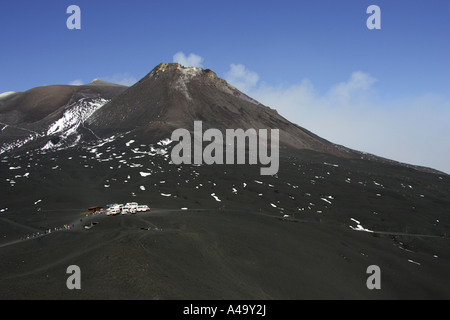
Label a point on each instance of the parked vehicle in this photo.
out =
(130, 207)
(132, 204)
(112, 211)
(143, 208)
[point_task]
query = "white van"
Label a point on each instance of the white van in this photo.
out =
(112, 211)
(131, 207)
(143, 208)
(132, 204)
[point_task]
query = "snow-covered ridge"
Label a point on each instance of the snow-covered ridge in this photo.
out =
(6, 94)
(75, 116)
(18, 143)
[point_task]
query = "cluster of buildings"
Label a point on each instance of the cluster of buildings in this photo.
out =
(116, 209)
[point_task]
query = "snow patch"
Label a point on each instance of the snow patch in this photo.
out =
(359, 227)
(164, 142)
(145, 174)
(330, 164)
(417, 263)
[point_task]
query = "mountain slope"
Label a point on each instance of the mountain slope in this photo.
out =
(169, 97)
(29, 116)
(172, 96)
(214, 231)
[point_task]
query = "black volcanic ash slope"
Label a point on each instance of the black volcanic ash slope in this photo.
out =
(224, 231)
(227, 232)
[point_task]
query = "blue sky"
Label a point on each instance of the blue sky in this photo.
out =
(314, 61)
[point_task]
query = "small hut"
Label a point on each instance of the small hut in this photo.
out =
(93, 210)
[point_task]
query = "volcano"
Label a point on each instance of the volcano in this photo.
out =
(214, 231)
(172, 96)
